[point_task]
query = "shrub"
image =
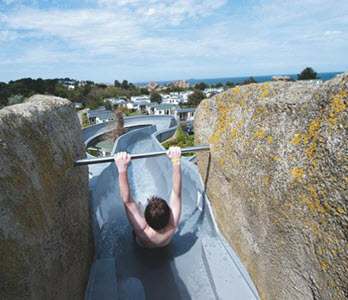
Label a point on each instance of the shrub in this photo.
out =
(307, 73)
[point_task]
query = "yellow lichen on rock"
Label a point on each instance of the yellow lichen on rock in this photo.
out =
(289, 151)
(296, 140)
(260, 134)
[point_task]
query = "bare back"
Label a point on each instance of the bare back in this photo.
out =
(150, 238)
(146, 236)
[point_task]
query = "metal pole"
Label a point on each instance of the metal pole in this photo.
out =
(99, 160)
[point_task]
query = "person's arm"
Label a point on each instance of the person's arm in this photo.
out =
(174, 154)
(138, 223)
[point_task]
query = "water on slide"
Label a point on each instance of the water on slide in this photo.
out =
(197, 264)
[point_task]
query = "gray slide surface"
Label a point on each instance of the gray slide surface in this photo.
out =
(197, 264)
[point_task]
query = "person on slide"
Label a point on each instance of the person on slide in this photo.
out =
(161, 220)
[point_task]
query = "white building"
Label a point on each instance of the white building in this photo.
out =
(78, 105)
(185, 114)
(141, 98)
(316, 81)
(151, 108)
(166, 109)
(143, 106)
(132, 105)
(119, 102)
(93, 114)
(185, 95)
(171, 100)
(165, 98)
(106, 117)
(116, 102)
(212, 91)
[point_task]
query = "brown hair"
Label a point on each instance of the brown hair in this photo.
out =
(157, 213)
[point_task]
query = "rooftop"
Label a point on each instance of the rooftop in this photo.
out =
(182, 110)
(167, 106)
(96, 113)
(108, 116)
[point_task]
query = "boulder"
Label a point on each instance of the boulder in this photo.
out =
(277, 177)
(46, 241)
(152, 86)
(181, 84)
(282, 78)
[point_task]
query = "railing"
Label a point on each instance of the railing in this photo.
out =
(100, 160)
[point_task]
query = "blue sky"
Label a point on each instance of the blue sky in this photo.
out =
(138, 40)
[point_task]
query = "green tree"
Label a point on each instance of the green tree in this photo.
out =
(143, 91)
(195, 98)
(102, 85)
(218, 85)
(124, 84)
(4, 93)
(93, 103)
(117, 84)
(131, 86)
(50, 86)
(230, 84)
(248, 81)
(155, 97)
(61, 91)
(108, 105)
(307, 73)
(16, 99)
(200, 86)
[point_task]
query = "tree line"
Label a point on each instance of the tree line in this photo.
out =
(88, 93)
(91, 94)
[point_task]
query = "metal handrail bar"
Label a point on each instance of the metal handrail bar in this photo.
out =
(99, 160)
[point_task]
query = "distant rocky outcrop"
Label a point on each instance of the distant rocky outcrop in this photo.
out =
(181, 84)
(46, 242)
(282, 78)
(152, 86)
(277, 180)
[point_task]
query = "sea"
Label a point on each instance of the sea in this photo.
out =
(236, 80)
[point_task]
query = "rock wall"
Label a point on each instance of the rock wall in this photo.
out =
(277, 178)
(46, 243)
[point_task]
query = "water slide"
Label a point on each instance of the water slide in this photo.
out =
(197, 264)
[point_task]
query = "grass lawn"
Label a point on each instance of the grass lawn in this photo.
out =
(136, 113)
(181, 139)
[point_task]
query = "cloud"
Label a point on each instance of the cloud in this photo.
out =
(8, 2)
(38, 55)
(120, 2)
(327, 37)
(8, 35)
(166, 12)
(187, 36)
(93, 29)
(100, 32)
(333, 33)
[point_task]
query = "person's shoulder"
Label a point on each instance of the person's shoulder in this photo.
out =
(169, 230)
(171, 227)
(146, 233)
(153, 234)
